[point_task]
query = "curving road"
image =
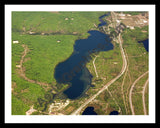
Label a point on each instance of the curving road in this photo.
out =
(22, 73)
(130, 93)
(143, 96)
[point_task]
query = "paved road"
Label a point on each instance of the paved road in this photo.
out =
(130, 93)
(76, 112)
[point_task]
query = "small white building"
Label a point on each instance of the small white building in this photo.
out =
(18, 66)
(131, 27)
(31, 32)
(145, 21)
(118, 21)
(15, 41)
(121, 14)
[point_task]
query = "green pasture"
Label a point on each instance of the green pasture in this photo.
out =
(52, 42)
(50, 22)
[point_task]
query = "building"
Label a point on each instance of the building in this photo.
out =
(131, 27)
(30, 32)
(121, 14)
(15, 42)
(145, 21)
(18, 66)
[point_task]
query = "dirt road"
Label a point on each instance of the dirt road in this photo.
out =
(130, 93)
(143, 96)
(22, 73)
(95, 66)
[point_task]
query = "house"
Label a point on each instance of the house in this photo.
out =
(18, 66)
(131, 27)
(30, 32)
(15, 42)
(118, 21)
(145, 21)
(122, 17)
(121, 14)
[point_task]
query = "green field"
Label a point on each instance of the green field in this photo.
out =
(54, 22)
(49, 37)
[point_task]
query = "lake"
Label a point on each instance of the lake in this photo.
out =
(73, 70)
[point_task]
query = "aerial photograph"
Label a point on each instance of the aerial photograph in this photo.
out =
(80, 63)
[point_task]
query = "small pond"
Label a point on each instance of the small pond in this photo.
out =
(114, 113)
(89, 111)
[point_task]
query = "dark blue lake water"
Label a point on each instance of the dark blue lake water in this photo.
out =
(89, 111)
(73, 71)
(146, 44)
(102, 21)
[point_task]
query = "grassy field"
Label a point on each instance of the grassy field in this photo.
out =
(44, 54)
(54, 22)
(49, 37)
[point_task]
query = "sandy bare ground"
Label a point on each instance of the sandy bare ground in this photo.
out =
(30, 111)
